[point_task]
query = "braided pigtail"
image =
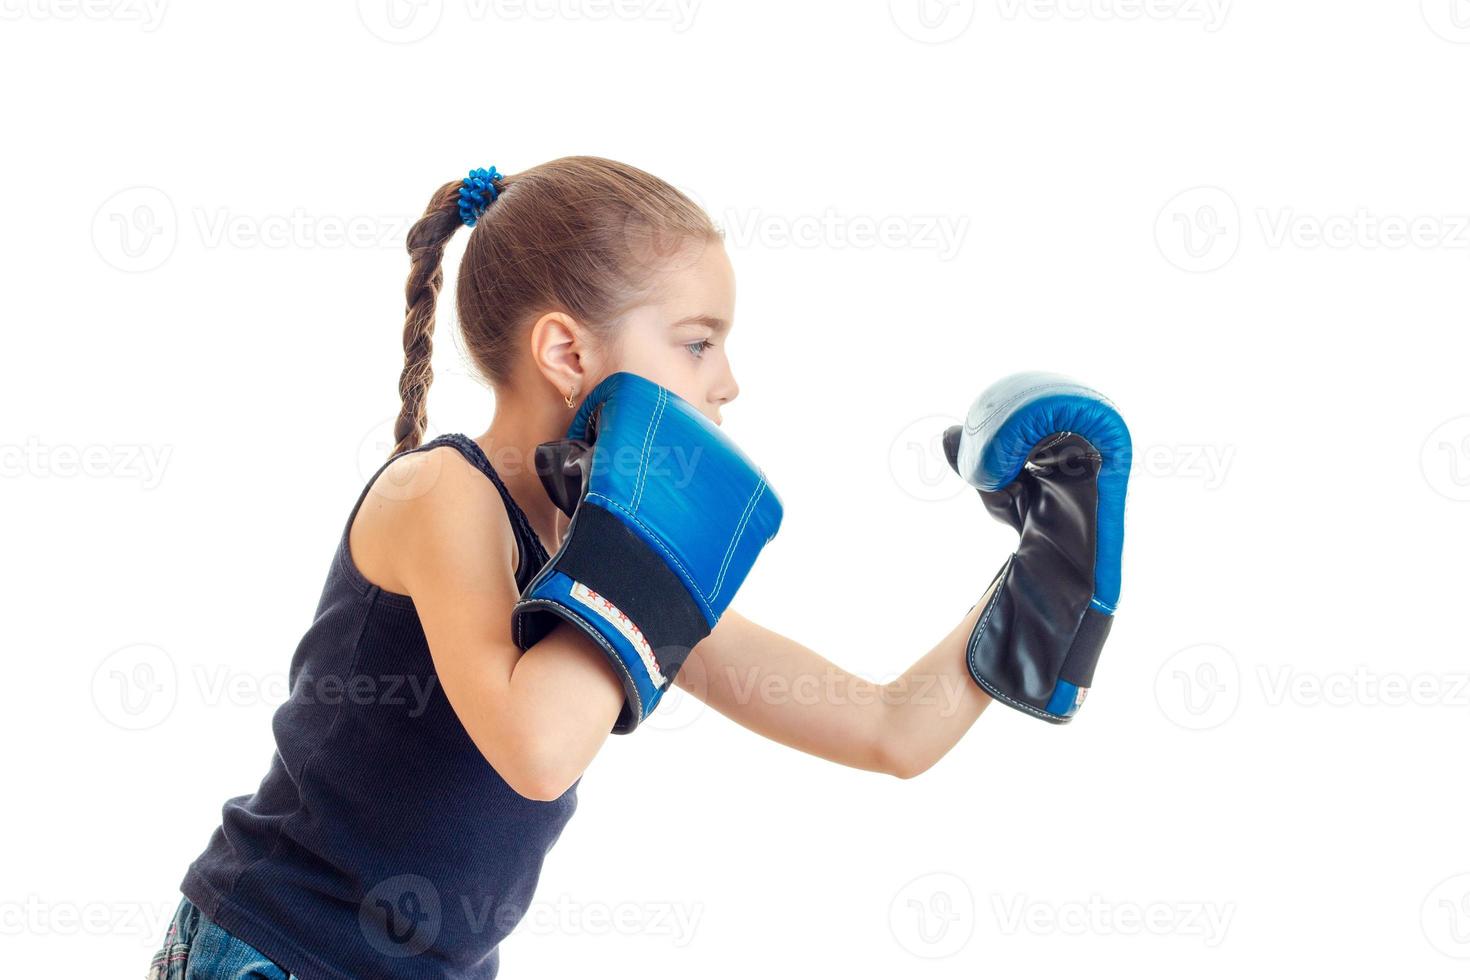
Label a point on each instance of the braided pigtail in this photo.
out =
(453, 204)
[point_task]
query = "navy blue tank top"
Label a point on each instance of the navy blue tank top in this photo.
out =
(380, 843)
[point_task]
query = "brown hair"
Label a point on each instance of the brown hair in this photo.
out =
(580, 234)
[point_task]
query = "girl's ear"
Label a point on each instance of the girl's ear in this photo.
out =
(559, 348)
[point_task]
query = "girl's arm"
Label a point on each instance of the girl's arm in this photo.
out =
(437, 530)
(791, 694)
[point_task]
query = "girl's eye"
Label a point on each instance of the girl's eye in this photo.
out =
(698, 347)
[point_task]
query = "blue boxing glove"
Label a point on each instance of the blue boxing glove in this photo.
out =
(668, 516)
(1049, 457)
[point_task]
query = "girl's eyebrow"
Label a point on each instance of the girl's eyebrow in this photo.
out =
(703, 320)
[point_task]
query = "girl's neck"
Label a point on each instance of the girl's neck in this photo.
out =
(510, 444)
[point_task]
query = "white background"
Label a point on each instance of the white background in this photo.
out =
(1245, 222)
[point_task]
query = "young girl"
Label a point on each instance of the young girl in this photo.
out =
(424, 763)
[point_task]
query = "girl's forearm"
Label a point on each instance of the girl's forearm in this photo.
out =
(931, 706)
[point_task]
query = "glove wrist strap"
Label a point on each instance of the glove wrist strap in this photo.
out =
(608, 581)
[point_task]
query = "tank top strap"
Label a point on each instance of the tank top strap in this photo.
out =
(472, 452)
(533, 552)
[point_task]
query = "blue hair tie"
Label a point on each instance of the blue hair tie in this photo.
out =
(475, 194)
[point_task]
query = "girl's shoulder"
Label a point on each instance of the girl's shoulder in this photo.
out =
(432, 506)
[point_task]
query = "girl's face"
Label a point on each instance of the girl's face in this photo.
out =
(678, 338)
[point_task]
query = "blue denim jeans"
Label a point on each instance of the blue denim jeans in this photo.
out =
(197, 949)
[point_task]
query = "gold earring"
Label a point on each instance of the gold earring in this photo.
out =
(569, 398)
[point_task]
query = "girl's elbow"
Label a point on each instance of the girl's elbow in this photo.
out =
(541, 788)
(538, 768)
(900, 761)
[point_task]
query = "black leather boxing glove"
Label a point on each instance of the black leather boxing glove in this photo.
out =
(1050, 458)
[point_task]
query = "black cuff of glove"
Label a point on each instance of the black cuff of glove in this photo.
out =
(608, 557)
